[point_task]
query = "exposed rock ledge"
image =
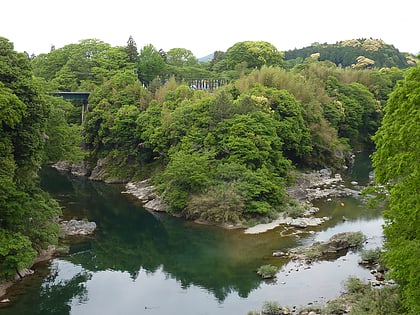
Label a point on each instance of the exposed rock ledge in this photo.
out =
(84, 169)
(77, 227)
(301, 222)
(308, 187)
(320, 184)
(146, 193)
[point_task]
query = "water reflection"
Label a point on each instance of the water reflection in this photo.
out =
(139, 262)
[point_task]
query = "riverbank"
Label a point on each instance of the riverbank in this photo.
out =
(71, 228)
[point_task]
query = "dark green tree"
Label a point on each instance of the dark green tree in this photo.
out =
(150, 64)
(131, 50)
(27, 215)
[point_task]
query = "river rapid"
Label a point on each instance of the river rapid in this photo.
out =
(140, 262)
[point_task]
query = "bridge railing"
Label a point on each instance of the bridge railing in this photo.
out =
(207, 84)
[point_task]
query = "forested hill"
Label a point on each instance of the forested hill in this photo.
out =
(356, 53)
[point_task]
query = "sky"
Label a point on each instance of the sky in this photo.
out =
(206, 26)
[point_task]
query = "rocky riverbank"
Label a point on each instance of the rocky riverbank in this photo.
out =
(72, 228)
(320, 184)
(308, 187)
(146, 193)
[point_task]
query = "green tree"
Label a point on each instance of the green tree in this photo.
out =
(181, 57)
(131, 50)
(150, 64)
(254, 54)
(27, 215)
(397, 163)
(63, 139)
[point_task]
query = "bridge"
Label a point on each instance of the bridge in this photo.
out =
(75, 96)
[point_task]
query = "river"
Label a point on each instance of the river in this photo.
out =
(145, 263)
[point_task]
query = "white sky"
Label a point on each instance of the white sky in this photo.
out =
(206, 26)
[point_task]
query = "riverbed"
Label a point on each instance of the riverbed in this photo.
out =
(140, 262)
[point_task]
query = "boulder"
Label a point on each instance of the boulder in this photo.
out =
(146, 193)
(77, 227)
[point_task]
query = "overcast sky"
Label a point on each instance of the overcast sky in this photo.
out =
(206, 26)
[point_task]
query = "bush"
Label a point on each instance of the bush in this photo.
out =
(267, 271)
(356, 239)
(295, 209)
(355, 285)
(371, 256)
(271, 308)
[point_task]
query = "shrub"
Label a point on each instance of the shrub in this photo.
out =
(295, 209)
(271, 308)
(267, 271)
(355, 285)
(371, 256)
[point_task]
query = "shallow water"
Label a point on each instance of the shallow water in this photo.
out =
(144, 263)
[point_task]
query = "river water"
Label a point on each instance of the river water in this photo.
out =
(145, 263)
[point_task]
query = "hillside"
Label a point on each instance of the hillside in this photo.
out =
(356, 53)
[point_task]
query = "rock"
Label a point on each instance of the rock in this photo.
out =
(62, 166)
(325, 172)
(338, 243)
(141, 190)
(146, 192)
(299, 222)
(280, 254)
(5, 301)
(99, 173)
(80, 169)
(23, 273)
(77, 227)
(156, 204)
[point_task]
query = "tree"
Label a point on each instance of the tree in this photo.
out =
(27, 215)
(397, 163)
(254, 54)
(131, 49)
(181, 57)
(150, 64)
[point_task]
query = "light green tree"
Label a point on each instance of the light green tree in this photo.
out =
(254, 53)
(181, 57)
(397, 164)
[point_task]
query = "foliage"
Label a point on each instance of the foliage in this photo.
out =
(396, 163)
(27, 215)
(63, 139)
(371, 256)
(295, 209)
(253, 55)
(131, 49)
(180, 57)
(220, 204)
(367, 300)
(271, 308)
(345, 53)
(232, 148)
(16, 252)
(267, 271)
(150, 64)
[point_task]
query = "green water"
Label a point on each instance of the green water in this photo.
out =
(144, 263)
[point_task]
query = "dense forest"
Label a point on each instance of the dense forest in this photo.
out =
(356, 53)
(219, 139)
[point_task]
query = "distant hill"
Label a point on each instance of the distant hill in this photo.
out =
(206, 58)
(356, 53)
